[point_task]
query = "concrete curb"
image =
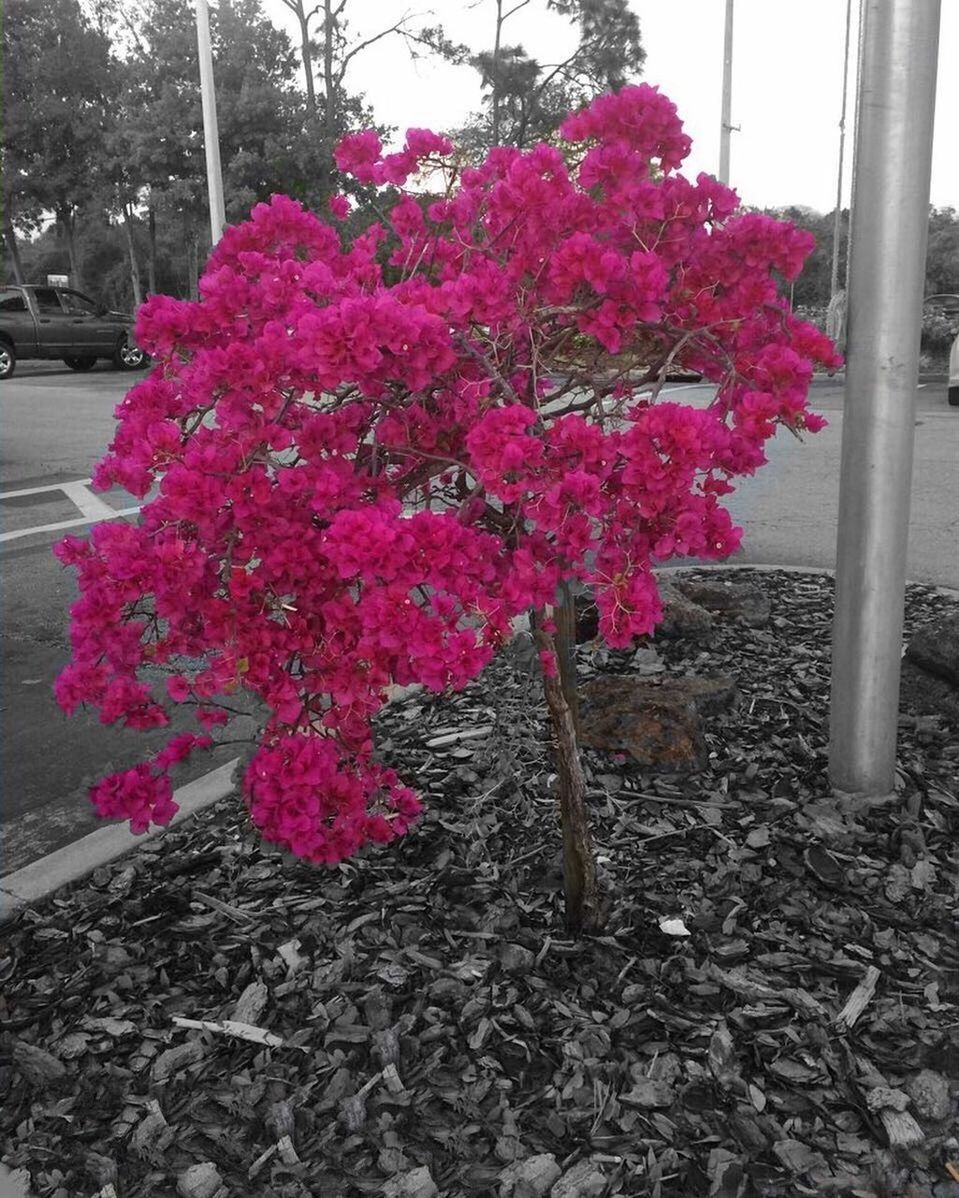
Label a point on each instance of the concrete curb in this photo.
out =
(946, 592)
(43, 877)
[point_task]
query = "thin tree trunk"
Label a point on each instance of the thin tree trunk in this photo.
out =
(10, 237)
(494, 133)
(564, 617)
(584, 905)
(152, 258)
(194, 267)
(307, 63)
(67, 221)
(131, 251)
(328, 79)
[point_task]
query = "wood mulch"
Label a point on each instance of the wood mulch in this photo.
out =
(774, 1003)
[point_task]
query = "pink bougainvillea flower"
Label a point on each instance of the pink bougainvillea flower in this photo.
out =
(364, 458)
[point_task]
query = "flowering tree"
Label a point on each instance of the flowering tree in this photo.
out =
(499, 351)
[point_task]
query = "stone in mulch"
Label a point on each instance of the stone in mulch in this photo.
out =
(657, 721)
(772, 1011)
(935, 649)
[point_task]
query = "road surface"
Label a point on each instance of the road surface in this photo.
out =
(56, 424)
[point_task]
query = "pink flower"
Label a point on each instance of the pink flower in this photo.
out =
(364, 458)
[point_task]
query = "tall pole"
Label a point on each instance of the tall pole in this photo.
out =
(726, 127)
(891, 211)
(211, 136)
(855, 138)
(837, 217)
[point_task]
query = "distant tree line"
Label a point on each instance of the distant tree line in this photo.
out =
(812, 288)
(102, 160)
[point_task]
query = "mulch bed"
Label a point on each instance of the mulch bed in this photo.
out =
(427, 1011)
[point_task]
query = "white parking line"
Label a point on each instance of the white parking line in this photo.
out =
(77, 482)
(91, 505)
(93, 509)
(28, 532)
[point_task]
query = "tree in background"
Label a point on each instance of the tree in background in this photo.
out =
(334, 49)
(526, 100)
(59, 86)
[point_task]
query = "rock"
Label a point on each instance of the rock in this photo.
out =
(656, 721)
(681, 616)
(39, 1068)
(199, 1181)
(532, 1178)
(739, 600)
(584, 1180)
(417, 1183)
(930, 1095)
(927, 695)
(935, 649)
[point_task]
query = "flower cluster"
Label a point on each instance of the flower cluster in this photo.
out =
(364, 460)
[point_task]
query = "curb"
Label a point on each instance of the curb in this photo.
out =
(43, 877)
(829, 571)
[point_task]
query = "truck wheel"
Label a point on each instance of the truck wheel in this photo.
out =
(954, 396)
(8, 360)
(81, 363)
(128, 356)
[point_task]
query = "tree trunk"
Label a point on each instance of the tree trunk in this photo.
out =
(194, 266)
(564, 617)
(67, 221)
(584, 905)
(307, 54)
(328, 80)
(10, 237)
(132, 253)
(494, 132)
(152, 258)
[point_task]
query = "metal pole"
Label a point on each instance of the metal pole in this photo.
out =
(211, 137)
(893, 160)
(726, 127)
(855, 144)
(837, 218)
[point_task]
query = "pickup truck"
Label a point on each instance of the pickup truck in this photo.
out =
(57, 322)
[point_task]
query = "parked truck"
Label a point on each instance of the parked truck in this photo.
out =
(41, 321)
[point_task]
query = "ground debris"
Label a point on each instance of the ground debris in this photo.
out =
(421, 1018)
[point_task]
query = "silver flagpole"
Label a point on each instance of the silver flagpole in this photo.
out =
(890, 219)
(726, 128)
(211, 137)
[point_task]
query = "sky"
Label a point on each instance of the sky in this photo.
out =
(786, 92)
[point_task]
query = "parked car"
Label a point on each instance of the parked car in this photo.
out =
(58, 322)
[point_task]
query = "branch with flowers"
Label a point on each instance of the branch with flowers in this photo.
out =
(502, 349)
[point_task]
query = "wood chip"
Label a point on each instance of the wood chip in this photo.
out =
(238, 1030)
(857, 1002)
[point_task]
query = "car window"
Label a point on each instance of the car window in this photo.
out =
(12, 301)
(75, 303)
(47, 300)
